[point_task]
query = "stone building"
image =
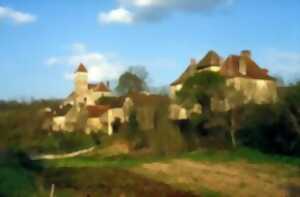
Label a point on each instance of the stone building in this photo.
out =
(79, 110)
(245, 75)
(211, 62)
(93, 108)
(85, 92)
(240, 72)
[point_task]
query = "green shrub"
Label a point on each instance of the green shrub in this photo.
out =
(134, 135)
(133, 125)
(63, 142)
(268, 128)
(18, 175)
(165, 138)
(16, 182)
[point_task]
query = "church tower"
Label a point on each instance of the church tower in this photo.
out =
(81, 80)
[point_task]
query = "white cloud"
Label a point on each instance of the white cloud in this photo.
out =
(177, 4)
(101, 67)
(285, 64)
(51, 61)
(78, 47)
(119, 15)
(155, 10)
(16, 16)
(145, 3)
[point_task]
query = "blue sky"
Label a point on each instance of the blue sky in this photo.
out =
(41, 42)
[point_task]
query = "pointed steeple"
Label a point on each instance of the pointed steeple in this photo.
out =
(81, 68)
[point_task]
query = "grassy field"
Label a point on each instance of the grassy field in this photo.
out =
(242, 172)
(126, 161)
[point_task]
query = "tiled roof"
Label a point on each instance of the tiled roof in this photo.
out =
(113, 102)
(231, 68)
(140, 99)
(101, 87)
(210, 59)
(190, 71)
(81, 68)
(91, 86)
(95, 111)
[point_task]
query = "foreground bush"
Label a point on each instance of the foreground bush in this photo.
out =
(21, 129)
(18, 175)
(63, 142)
(274, 128)
(268, 128)
(165, 138)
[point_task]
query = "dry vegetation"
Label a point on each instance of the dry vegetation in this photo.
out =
(238, 178)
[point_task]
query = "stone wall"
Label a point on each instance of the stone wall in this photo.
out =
(59, 123)
(96, 95)
(81, 83)
(211, 68)
(176, 112)
(255, 90)
(93, 125)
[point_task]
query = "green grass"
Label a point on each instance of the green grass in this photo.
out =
(210, 193)
(15, 181)
(120, 161)
(127, 161)
(117, 163)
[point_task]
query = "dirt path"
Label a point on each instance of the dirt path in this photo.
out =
(62, 156)
(231, 179)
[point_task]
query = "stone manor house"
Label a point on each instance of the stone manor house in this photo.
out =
(94, 108)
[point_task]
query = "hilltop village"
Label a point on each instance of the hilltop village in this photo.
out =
(95, 108)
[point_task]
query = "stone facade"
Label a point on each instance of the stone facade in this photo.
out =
(79, 109)
(84, 110)
(93, 108)
(240, 72)
(256, 90)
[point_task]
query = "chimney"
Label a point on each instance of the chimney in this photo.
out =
(193, 61)
(242, 66)
(246, 53)
(107, 84)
